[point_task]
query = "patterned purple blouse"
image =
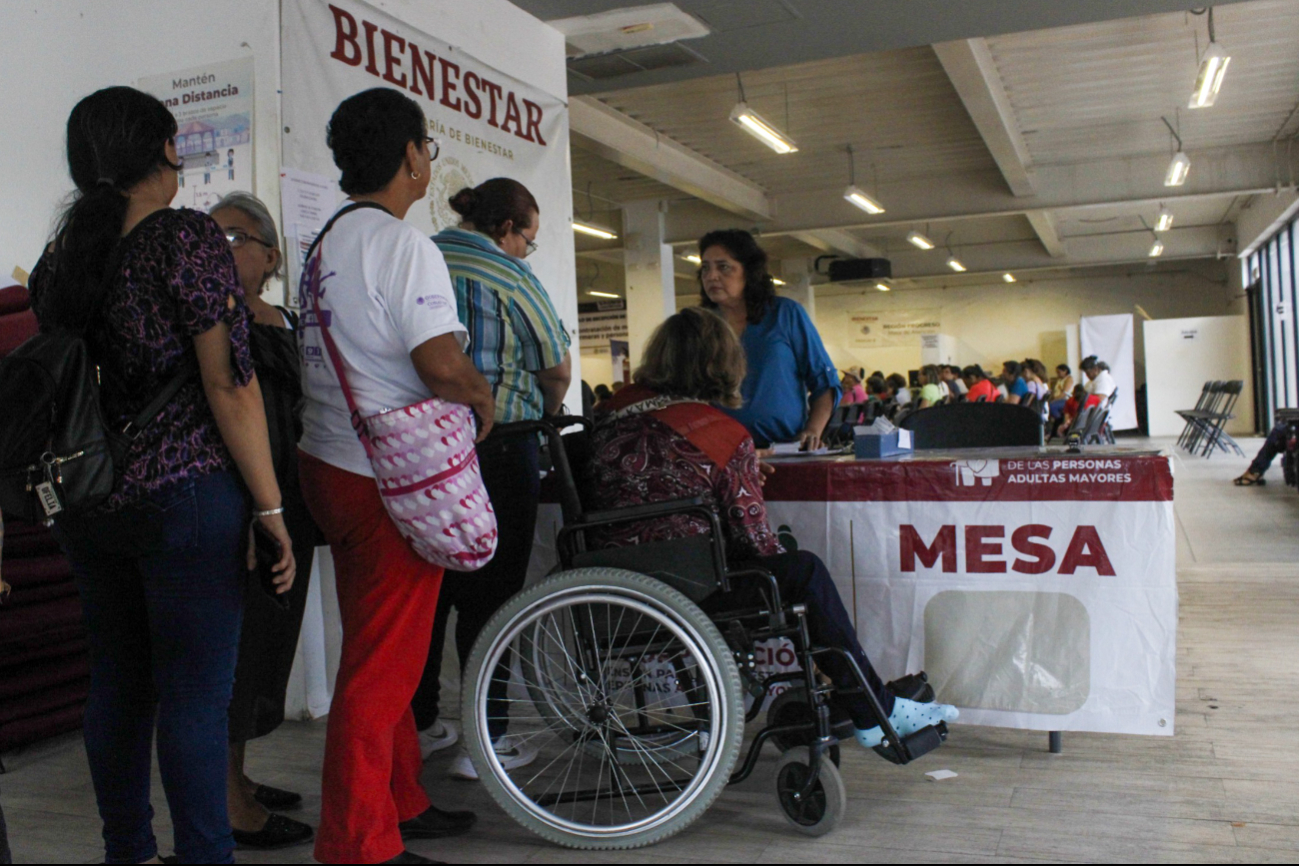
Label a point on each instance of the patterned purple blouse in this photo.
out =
(175, 282)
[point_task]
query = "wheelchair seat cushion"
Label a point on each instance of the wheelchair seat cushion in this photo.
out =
(685, 564)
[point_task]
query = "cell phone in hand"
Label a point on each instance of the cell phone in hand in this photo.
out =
(266, 547)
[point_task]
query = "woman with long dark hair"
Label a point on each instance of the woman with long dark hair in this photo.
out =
(160, 567)
(792, 386)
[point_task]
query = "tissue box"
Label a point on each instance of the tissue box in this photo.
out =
(888, 445)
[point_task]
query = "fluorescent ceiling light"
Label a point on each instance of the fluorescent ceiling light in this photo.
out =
(693, 259)
(755, 125)
(594, 231)
(1157, 250)
(883, 287)
(918, 240)
(603, 295)
(1178, 169)
(955, 264)
(857, 196)
(1165, 220)
(1010, 278)
(1213, 69)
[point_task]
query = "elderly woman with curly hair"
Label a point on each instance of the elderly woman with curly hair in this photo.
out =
(792, 386)
(662, 440)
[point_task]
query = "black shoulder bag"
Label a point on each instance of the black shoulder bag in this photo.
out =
(56, 453)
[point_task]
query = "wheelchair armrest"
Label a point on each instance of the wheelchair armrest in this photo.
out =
(643, 512)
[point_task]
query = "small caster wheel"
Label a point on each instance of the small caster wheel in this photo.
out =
(791, 707)
(823, 809)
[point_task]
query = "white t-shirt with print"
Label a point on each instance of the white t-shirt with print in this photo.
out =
(1103, 385)
(384, 291)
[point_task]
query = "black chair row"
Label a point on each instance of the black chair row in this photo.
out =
(974, 425)
(1206, 424)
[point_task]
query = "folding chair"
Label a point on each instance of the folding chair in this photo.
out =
(1215, 427)
(1203, 417)
(1191, 416)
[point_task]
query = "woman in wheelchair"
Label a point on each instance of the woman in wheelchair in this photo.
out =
(662, 440)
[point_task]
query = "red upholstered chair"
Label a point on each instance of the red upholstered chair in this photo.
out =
(44, 662)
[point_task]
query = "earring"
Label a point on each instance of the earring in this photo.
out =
(414, 175)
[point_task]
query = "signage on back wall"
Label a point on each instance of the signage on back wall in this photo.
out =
(875, 329)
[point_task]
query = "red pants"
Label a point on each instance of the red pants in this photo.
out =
(387, 596)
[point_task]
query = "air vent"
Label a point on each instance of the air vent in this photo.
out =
(625, 29)
(732, 15)
(605, 66)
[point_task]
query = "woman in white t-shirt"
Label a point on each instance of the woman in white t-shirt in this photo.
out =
(387, 299)
(1100, 383)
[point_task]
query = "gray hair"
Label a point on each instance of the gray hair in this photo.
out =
(255, 209)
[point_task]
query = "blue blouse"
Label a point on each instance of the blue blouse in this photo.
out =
(787, 361)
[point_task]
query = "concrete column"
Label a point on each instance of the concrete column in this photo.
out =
(797, 274)
(651, 284)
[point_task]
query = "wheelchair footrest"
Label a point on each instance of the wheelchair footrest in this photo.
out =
(919, 744)
(913, 687)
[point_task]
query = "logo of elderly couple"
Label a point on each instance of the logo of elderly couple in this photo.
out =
(976, 473)
(450, 176)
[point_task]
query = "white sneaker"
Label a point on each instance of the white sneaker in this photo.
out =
(512, 753)
(440, 735)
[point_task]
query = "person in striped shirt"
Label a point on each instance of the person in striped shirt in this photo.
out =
(519, 344)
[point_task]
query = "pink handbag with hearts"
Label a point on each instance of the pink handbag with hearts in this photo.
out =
(424, 461)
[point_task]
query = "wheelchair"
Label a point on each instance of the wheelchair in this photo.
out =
(634, 697)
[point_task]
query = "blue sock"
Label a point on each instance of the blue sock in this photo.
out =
(907, 718)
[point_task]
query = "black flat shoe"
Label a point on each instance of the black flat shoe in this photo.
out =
(433, 823)
(279, 832)
(408, 857)
(275, 800)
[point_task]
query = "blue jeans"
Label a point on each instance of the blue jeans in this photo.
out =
(1272, 448)
(161, 584)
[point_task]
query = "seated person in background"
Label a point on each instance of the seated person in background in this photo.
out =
(951, 376)
(602, 392)
(901, 393)
(878, 399)
(980, 389)
(660, 440)
(1071, 408)
(1061, 390)
(1276, 443)
(853, 392)
(1100, 383)
(1012, 376)
(931, 392)
(1034, 372)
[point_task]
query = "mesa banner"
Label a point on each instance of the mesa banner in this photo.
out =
(488, 124)
(1038, 593)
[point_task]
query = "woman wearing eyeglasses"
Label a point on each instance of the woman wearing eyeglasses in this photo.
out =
(269, 638)
(792, 387)
(519, 344)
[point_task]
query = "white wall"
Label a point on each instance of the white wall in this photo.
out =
(1183, 354)
(59, 52)
(996, 323)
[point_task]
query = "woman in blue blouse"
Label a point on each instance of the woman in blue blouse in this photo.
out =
(787, 360)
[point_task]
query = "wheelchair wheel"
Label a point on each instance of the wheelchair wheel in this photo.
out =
(822, 810)
(790, 707)
(630, 697)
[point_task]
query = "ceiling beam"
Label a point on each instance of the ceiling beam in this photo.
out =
(836, 242)
(1043, 222)
(627, 142)
(973, 73)
(1135, 183)
(1192, 242)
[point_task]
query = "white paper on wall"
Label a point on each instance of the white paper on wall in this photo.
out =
(1111, 339)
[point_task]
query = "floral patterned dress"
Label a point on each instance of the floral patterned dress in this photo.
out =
(639, 459)
(176, 280)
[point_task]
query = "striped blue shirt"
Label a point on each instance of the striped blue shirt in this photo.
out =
(513, 328)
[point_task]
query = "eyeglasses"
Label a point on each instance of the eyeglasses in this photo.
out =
(434, 147)
(532, 245)
(238, 237)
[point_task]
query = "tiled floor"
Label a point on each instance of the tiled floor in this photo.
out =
(1225, 789)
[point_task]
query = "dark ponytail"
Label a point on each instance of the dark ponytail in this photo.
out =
(117, 137)
(494, 203)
